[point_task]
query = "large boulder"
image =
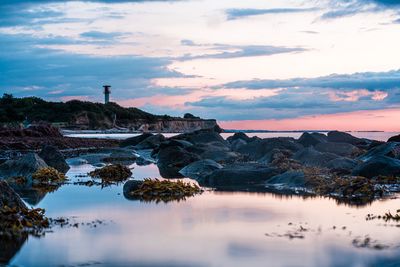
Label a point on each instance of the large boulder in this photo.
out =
(311, 157)
(200, 136)
(342, 165)
(53, 157)
(395, 138)
(239, 136)
(9, 198)
(390, 149)
(380, 165)
(341, 149)
(151, 142)
(237, 144)
(342, 137)
(220, 156)
(312, 139)
(133, 141)
(171, 160)
(259, 148)
(289, 178)
(239, 175)
(275, 154)
(200, 169)
(25, 166)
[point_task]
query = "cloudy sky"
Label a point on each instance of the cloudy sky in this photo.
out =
(254, 64)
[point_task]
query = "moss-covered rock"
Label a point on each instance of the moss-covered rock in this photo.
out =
(112, 173)
(47, 175)
(160, 191)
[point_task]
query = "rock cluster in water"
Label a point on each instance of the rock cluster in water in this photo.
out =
(337, 164)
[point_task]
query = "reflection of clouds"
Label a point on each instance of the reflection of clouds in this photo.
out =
(212, 229)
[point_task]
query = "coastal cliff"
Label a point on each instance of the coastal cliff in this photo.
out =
(83, 115)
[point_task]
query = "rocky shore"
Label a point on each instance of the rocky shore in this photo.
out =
(337, 165)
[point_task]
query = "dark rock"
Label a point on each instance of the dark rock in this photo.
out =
(220, 156)
(240, 175)
(289, 178)
(275, 154)
(311, 157)
(53, 157)
(341, 149)
(239, 136)
(237, 144)
(131, 186)
(259, 148)
(390, 149)
(200, 136)
(151, 142)
(312, 139)
(380, 165)
(25, 166)
(171, 143)
(395, 138)
(171, 160)
(342, 137)
(133, 141)
(200, 169)
(9, 198)
(342, 165)
(121, 156)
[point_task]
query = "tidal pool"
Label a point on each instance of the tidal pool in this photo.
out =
(212, 229)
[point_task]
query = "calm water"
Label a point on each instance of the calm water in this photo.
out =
(380, 136)
(212, 229)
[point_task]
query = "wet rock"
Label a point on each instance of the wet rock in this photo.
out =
(221, 156)
(9, 198)
(341, 149)
(395, 138)
(311, 157)
(200, 136)
(150, 142)
(380, 165)
(342, 165)
(199, 169)
(390, 149)
(237, 144)
(240, 175)
(124, 156)
(289, 178)
(129, 186)
(312, 139)
(259, 148)
(160, 191)
(133, 141)
(53, 157)
(239, 136)
(342, 137)
(275, 154)
(25, 166)
(171, 160)
(112, 173)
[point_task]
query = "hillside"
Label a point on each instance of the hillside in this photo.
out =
(77, 114)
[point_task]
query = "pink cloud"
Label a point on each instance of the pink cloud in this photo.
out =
(380, 120)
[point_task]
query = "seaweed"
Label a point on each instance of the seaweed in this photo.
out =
(112, 173)
(48, 175)
(164, 191)
(15, 221)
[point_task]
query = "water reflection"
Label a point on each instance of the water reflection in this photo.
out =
(10, 245)
(211, 229)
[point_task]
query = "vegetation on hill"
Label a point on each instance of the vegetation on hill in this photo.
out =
(34, 109)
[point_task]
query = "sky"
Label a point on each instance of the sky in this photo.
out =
(254, 64)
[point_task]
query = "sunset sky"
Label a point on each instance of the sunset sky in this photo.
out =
(254, 64)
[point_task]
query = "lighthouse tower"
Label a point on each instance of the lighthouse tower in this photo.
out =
(107, 92)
